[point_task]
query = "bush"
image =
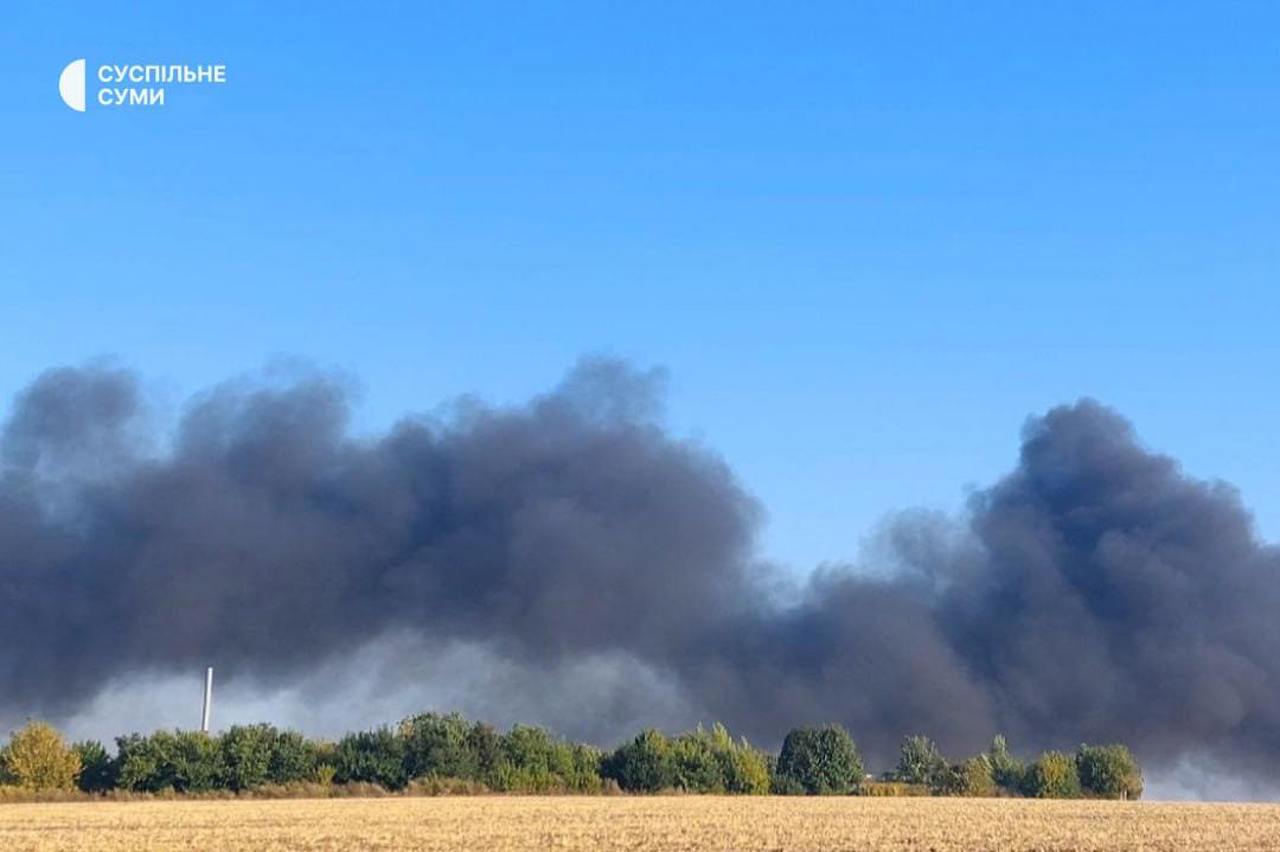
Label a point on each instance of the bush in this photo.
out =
(37, 758)
(818, 761)
(97, 769)
(1052, 776)
(644, 765)
(971, 778)
(1109, 772)
(375, 757)
(436, 786)
(891, 789)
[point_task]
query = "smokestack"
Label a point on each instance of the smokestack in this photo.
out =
(208, 699)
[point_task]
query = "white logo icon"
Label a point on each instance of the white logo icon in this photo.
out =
(71, 85)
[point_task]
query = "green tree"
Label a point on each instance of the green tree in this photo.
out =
(437, 744)
(184, 761)
(1052, 776)
(246, 755)
(746, 770)
(38, 758)
(1109, 772)
(695, 765)
(97, 769)
(919, 762)
(293, 758)
(644, 765)
(485, 745)
(376, 756)
(818, 761)
(1006, 770)
(535, 761)
(711, 761)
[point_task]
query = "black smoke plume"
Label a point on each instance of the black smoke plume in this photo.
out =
(1095, 593)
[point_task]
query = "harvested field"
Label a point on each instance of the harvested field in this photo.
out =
(693, 822)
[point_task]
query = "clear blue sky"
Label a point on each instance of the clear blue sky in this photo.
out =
(867, 239)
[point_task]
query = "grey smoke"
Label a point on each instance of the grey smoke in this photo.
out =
(572, 546)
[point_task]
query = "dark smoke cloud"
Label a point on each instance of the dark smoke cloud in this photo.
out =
(1094, 593)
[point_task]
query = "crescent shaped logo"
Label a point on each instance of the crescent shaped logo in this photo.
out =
(71, 85)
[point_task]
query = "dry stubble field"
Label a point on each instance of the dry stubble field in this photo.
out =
(692, 822)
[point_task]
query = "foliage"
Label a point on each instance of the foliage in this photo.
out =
(919, 762)
(97, 769)
(376, 756)
(1052, 776)
(644, 765)
(183, 761)
(971, 778)
(711, 761)
(37, 758)
(818, 761)
(891, 789)
(533, 761)
(294, 758)
(1006, 770)
(437, 754)
(1109, 772)
(246, 755)
(439, 745)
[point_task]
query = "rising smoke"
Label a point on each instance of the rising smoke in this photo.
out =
(1094, 593)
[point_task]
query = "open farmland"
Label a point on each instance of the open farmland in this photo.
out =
(690, 822)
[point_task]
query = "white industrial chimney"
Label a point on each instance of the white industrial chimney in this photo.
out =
(208, 699)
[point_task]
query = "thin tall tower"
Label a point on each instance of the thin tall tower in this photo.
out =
(208, 699)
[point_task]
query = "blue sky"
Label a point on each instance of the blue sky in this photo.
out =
(867, 239)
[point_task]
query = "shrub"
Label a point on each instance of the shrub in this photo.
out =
(891, 789)
(1109, 772)
(818, 761)
(37, 758)
(325, 755)
(971, 778)
(644, 765)
(1052, 776)
(437, 786)
(376, 757)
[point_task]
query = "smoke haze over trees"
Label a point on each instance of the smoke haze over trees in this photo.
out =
(1095, 593)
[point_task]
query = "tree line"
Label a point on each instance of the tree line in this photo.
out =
(433, 752)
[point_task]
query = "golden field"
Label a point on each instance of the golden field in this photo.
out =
(588, 823)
